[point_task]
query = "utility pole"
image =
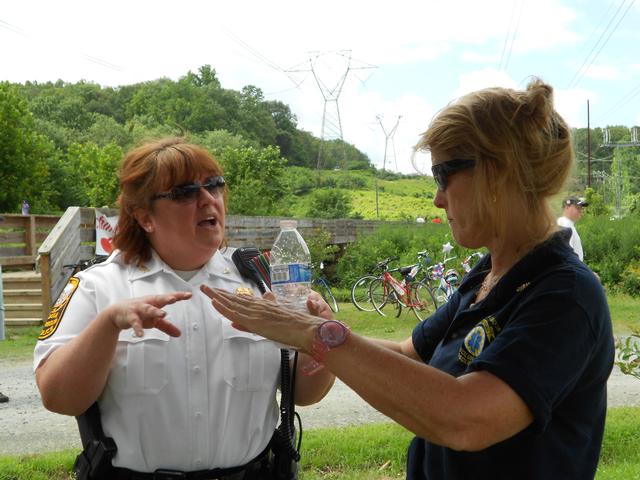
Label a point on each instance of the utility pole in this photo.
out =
(588, 148)
(388, 136)
(377, 210)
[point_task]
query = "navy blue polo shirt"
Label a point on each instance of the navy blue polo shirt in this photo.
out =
(545, 330)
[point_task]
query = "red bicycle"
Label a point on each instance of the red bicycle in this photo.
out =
(389, 293)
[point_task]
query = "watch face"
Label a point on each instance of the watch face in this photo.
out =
(332, 333)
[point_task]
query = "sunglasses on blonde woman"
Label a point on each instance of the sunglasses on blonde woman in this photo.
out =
(442, 171)
(189, 191)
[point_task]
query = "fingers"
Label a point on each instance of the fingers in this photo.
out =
(318, 307)
(269, 296)
(168, 328)
(168, 298)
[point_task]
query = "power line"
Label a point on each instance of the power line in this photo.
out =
(89, 58)
(262, 58)
(634, 92)
(12, 28)
(583, 69)
(509, 40)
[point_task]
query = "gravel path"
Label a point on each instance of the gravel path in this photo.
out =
(26, 427)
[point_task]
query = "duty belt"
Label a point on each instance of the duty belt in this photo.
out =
(250, 471)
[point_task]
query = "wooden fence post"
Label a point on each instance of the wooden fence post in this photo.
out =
(30, 237)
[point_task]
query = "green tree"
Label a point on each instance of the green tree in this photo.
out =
(91, 174)
(24, 172)
(256, 181)
(333, 203)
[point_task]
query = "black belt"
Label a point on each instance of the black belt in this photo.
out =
(254, 470)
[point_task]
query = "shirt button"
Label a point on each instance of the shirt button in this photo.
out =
(198, 414)
(195, 326)
(198, 462)
(196, 369)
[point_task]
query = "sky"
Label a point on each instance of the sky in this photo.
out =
(387, 67)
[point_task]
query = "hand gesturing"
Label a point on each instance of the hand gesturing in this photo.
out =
(146, 312)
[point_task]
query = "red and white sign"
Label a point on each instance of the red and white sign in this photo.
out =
(105, 228)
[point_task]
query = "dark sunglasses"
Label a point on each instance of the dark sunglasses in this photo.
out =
(189, 191)
(442, 171)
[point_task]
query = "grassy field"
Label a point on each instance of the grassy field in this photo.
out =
(398, 199)
(372, 452)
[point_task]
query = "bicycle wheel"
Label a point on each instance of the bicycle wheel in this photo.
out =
(383, 299)
(360, 293)
(424, 304)
(440, 294)
(328, 297)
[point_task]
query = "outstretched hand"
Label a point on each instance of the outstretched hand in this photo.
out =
(266, 318)
(318, 307)
(146, 312)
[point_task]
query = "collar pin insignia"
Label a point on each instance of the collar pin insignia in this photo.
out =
(226, 270)
(143, 268)
(523, 286)
(244, 291)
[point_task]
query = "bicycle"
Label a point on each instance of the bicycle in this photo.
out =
(407, 293)
(447, 281)
(468, 263)
(84, 264)
(360, 290)
(321, 285)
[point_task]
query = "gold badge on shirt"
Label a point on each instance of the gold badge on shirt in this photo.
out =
(55, 316)
(244, 291)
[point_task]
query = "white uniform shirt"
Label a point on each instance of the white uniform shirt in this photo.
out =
(204, 400)
(574, 241)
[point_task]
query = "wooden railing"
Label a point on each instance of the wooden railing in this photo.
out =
(20, 237)
(73, 239)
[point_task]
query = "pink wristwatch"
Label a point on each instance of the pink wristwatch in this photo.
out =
(329, 334)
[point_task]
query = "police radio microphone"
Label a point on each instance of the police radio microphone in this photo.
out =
(243, 259)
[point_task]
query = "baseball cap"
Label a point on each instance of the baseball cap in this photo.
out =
(578, 201)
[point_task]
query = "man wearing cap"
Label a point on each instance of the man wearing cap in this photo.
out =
(572, 209)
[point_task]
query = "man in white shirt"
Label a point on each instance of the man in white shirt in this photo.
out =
(572, 210)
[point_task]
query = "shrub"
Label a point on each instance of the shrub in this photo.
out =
(396, 239)
(610, 245)
(630, 279)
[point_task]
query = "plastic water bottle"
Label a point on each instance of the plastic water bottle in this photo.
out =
(290, 267)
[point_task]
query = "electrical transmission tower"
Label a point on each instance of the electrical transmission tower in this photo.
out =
(388, 136)
(618, 178)
(330, 89)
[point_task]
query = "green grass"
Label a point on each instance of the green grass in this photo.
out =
(19, 341)
(48, 466)
(624, 313)
(399, 199)
(372, 452)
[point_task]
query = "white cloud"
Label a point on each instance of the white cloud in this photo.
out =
(602, 72)
(572, 105)
(485, 78)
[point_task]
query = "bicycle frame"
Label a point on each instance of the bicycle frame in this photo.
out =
(417, 296)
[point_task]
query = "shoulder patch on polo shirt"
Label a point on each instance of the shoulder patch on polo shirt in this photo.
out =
(55, 316)
(478, 338)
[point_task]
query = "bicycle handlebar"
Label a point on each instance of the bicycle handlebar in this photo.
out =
(383, 264)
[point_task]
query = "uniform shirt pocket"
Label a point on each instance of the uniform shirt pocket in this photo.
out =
(140, 363)
(249, 360)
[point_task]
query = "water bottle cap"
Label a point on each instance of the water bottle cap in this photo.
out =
(288, 224)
